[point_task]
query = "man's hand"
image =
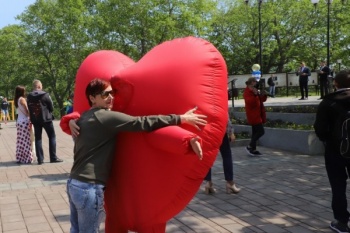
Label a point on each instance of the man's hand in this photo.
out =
(193, 119)
(196, 147)
(74, 128)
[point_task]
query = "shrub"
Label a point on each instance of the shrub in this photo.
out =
(277, 124)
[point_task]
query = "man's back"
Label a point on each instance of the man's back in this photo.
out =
(40, 107)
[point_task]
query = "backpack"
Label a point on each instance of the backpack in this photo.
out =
(35, 109)
(341, 128)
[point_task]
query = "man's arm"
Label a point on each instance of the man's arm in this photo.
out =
(49, 102)
(321, 124)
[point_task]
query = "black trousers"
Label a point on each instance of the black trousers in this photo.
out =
(338, 172)
(50, 131)
(226, 154)
(257, 132)
(323, 86)
(303, 86)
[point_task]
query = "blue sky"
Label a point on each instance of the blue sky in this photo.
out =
(9, 9)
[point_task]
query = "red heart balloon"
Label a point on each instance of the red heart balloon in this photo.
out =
(155, 174)
(153, 180)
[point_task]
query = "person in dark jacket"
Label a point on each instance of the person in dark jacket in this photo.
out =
(324, 73)
(40, 108)
(272, 87)
(255, 112)
(304, 73)
(337, 167)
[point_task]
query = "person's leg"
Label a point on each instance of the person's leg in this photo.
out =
(337, 175)
(73, 211)
(6, 116)
(326, 84)
(301, 89)
(258, 131)
(208, 188)
(251, 143)
(226, 154)
(254, 137)
(208, 176)
(322, 88)
(86, 202)
(38, 143)
(227, 162)
(306, 89)
(50, 131)
(273, 91)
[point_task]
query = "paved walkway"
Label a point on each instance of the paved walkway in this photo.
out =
(281, 192)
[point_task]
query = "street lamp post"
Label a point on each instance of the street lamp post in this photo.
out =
(315, 2)
(339, 62)
(260, 45)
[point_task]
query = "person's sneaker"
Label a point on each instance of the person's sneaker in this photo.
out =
(248, 149)
(339, 227)
(255, 153)
(252, 152)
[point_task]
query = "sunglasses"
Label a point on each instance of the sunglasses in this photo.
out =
(105, 94)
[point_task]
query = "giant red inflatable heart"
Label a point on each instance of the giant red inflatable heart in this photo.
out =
(154, 174)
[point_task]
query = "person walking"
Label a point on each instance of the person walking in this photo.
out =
(323, 74)
(271, 83)
(4, 110)
(23, 143)
(304, 73)
(94, 147)
(256, 115)
(337, 167)
(40, 109)
(226, 154)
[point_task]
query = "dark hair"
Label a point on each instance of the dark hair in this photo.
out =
(343, 79)
(19, 92)
(95, 87)
(250, 81)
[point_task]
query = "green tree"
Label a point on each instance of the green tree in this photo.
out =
(57, 42)
(13, 60)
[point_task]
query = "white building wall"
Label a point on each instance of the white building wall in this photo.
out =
(293, 79)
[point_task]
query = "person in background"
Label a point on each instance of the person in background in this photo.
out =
(68, 104)
(337, 167)
(23, 143)
(304, 73)
(226, 154)
(4, 109)
(40, 108)
(256, 115)
(271, 83)
(324, 73)
(94, 147)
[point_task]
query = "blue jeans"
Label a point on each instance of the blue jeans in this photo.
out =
(272, 91)
(50, 131)
(86, 206)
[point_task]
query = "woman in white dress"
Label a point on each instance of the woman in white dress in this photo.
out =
(23, 145)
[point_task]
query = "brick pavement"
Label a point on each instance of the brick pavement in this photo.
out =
(281, 192)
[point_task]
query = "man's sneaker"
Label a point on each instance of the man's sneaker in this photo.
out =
(339, 227)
